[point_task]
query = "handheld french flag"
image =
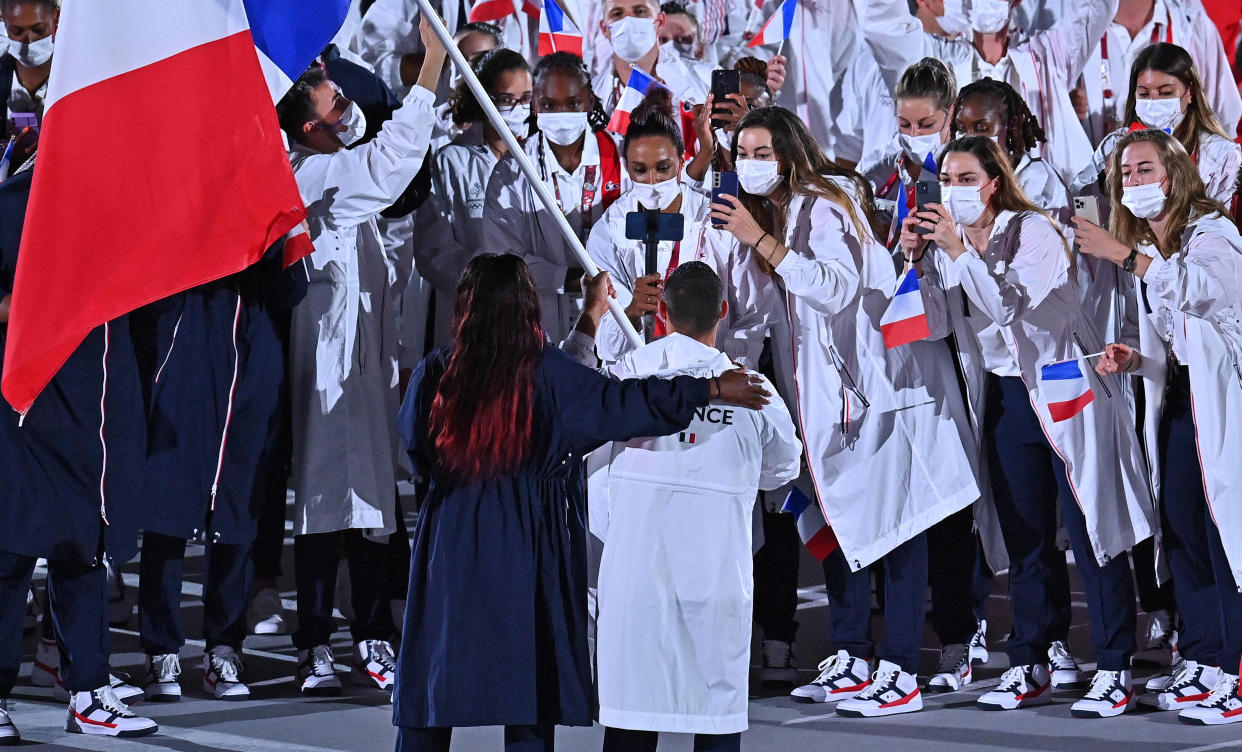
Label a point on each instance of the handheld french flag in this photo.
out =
(1065, 388)
(905, 321)
(190, 194)
(491, 11)
(777, 28)
(636, 88)
(814, 531)
(557, 31)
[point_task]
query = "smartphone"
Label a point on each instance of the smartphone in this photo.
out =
(1088, 207)
(724, 83)
(639, 225)
(723, 183)
(20, 121)
(925, 192)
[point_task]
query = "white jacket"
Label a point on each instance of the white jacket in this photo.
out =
(1193, 30)
(1042, 69)
(1196, 297)
(519, 223)
(1217, 159)
(343, 345)
(625, 260)
(887, 442)
(675, 584)
(1022, 283)
(449, 226)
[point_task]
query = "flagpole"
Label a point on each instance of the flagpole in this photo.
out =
(524, 163)
(780, 47)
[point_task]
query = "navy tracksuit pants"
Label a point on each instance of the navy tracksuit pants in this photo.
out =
(226, 593)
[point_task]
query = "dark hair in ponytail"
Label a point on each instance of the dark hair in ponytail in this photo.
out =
(571, 65)
(488, 66)
(654, 117)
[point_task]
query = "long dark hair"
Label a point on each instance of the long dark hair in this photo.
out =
(1174, 61)
(481, 416)
(809, 168)
(488, 66)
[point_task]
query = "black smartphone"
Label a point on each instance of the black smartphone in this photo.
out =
(925, 192)
(724, 83)
(639, 225)
(723, 183)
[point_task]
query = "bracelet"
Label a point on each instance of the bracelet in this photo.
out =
(716, 381)
(760, 241)
(922, 253)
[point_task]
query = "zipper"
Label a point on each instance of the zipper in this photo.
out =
(171, 345)
(845, 374)
(228, 414)
(103, 419)
(1107, 392)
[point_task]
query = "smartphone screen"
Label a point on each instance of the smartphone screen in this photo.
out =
(723, 183)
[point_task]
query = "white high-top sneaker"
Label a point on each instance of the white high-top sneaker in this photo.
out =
(891, 691)
(374, 664)
(841, 677)
(163, 677)
(8, 732)
(222, 669)
(1188, 685)
(1221, 707)
(100, 713)
(953, 672)
(1111, 694)
(1064, 669)
(316, 674)
(1020, 687)
(979, 643)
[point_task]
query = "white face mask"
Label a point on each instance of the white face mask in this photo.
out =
(954, 20)
(633, 37)
(758, 177)
(355, 125)
(1143, 201)
(1161, 114)
(657, 195)
(988, 16)
(562, 128)
(918, 147)
(963, 203)
(516, 118)
(33, 53)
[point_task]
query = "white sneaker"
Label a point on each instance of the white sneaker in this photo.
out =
(120, 607)
(267, 613)
(953, 672)
(1189, 685)
(121, 684)
(1065, 670)
(1020, 687)
(316, 674)
(891, 691)
(100, 713)
(1221, 707)
(222, 669)
(1111, 694)
(46, 669)
(374, 664)
(979, 643)
(778, 667)
(841, 677)
(8, 732)
(1161, 682)
(162, 677)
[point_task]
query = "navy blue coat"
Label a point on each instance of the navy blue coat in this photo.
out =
(188, 350)
(496, 616)
(51, 468)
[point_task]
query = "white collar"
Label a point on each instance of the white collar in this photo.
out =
(672, 355)
(590, 155)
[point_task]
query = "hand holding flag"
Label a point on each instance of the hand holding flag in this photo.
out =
(778, 26)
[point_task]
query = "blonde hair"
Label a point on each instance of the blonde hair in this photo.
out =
(1187, 197)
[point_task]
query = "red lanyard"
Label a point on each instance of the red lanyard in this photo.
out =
(660, 328)
(589, 186)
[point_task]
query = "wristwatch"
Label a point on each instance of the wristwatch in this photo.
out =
(1128, 264)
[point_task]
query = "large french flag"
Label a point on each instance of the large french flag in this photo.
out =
(1065, 387)
(814, 531)
(557, 31)
(778, 27)
(161, 164)
(905, 320)
(636, 87)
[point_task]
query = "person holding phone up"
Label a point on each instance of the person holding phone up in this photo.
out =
(1014, 308)
(885, 429)
(1184, 259)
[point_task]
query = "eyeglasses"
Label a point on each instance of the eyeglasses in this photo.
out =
(508, 102)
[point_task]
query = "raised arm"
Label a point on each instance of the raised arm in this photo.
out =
(1070, 42)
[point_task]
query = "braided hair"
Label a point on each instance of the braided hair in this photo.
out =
(572, 66)
(1022, 130)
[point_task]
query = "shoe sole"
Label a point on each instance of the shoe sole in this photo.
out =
(321, 691)
(848, 713)
(940, 690)
(1202, 722)
(993, 706)
(1113, 713)
(74, 728)
(162, 698)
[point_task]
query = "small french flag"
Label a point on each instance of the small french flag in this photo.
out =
(815, 532)
(490, 11)
(636, 88)
(905, 321)
(1066, 389)
(557, 31)
(776, 29)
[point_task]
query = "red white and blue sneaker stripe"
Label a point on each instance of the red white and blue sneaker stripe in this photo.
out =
(1221, 707)
(891, 692)
(1020, 687)
(374, 664)
(1110, 695)
(99, 713)
(1189, 684)
(841, 677)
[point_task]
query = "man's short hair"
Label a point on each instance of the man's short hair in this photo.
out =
(693, 295)
(296, 108)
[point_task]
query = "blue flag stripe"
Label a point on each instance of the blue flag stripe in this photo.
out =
(556, 22)
(909, 283)
(292, 32)
(796, 503)
(1061, 371)
(788, 12)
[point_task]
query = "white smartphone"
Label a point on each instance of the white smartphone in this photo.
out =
(1087, 207)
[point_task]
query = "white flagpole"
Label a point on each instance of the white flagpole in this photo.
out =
(523, 161)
